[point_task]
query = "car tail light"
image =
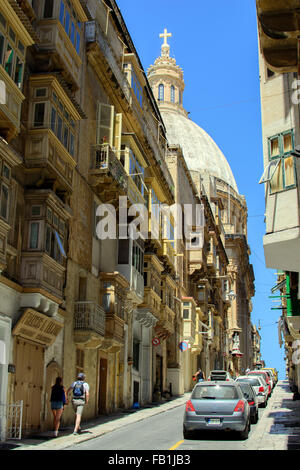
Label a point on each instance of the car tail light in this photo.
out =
(227, 380)
(189, 406)
(261, 389)
(251, 402)
(240, 406)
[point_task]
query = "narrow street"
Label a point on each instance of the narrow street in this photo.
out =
(278, 428)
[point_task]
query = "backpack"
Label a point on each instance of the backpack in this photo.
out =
(78, 390)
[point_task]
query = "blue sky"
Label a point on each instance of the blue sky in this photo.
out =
(216, 44)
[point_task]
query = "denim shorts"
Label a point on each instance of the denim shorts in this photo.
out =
(57, 405)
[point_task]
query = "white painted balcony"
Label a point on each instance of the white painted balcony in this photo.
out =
(282, 239)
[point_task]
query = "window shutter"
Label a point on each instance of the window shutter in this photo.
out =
(105, 124)
(118, 134)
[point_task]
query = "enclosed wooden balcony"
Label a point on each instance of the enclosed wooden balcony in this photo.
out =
(10, 106)
(107, 175)
(40, 271)
(89, 324)
(43, 150)
(114, 332)
(165, 327)
(60, 28)
(167, 253)
(279, 30)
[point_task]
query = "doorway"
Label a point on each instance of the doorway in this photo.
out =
(29, 382)
(159, 373)
(102, 408)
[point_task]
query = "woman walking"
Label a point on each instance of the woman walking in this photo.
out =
(58, 400)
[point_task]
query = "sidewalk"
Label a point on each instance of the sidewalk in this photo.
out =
(279, 426)
(92, 428)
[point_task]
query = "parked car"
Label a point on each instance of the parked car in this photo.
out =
(259, 385)
(217, 375)
(217, 406)
(271, 371)
(251, 397)
(263, 374)
(271, 377)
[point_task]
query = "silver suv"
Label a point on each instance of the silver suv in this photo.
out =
(219, 375)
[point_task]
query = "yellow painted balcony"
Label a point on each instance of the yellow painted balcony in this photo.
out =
(10, 107)
(114, 331)
(168, 252)
(152, 301)
(134, 194)
(212, 260)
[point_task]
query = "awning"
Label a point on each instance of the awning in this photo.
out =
(280, 285)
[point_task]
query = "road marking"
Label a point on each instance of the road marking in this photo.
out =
(176, 445)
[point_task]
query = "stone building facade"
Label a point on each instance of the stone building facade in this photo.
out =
(80, 147)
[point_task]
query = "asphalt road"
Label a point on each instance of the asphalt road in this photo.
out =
(164, 432)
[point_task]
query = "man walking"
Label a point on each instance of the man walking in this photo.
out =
(80, 397)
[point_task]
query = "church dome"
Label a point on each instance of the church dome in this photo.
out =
(200, 151)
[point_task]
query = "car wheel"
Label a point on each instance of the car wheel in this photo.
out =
(255, 418)
(244, 434)
(187, 434)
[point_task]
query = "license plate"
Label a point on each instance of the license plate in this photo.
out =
(213, 421)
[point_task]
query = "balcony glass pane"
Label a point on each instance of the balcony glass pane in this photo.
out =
(78, 43)
(59, 127)
(289, 172)
(19, 72)
(276, 183)
(8, 60)
(71, 144)
(48, 9)
(53, 119)
(66, 136)
(62, 13)
(1, 48)
(39, 113)
(287, 143)
(34, 236)
(67, 23)
(274, 147)
(72, 35)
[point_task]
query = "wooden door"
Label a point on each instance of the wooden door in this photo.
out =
(159, 373)
(29, 382)
(102, 386)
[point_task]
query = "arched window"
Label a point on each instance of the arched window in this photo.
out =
(172, 94)
(180, 97)
(161, 92)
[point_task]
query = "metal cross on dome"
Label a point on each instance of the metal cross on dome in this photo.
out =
(165, 35)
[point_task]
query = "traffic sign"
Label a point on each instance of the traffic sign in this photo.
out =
(183, 346)
(155, 341)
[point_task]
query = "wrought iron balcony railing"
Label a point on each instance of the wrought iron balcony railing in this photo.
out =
(104, 160)
(89, 316)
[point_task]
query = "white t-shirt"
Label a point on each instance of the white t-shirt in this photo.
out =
(86, 386)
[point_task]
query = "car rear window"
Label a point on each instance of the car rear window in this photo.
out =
(222, 392)
(254, 382)
(247, 390)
